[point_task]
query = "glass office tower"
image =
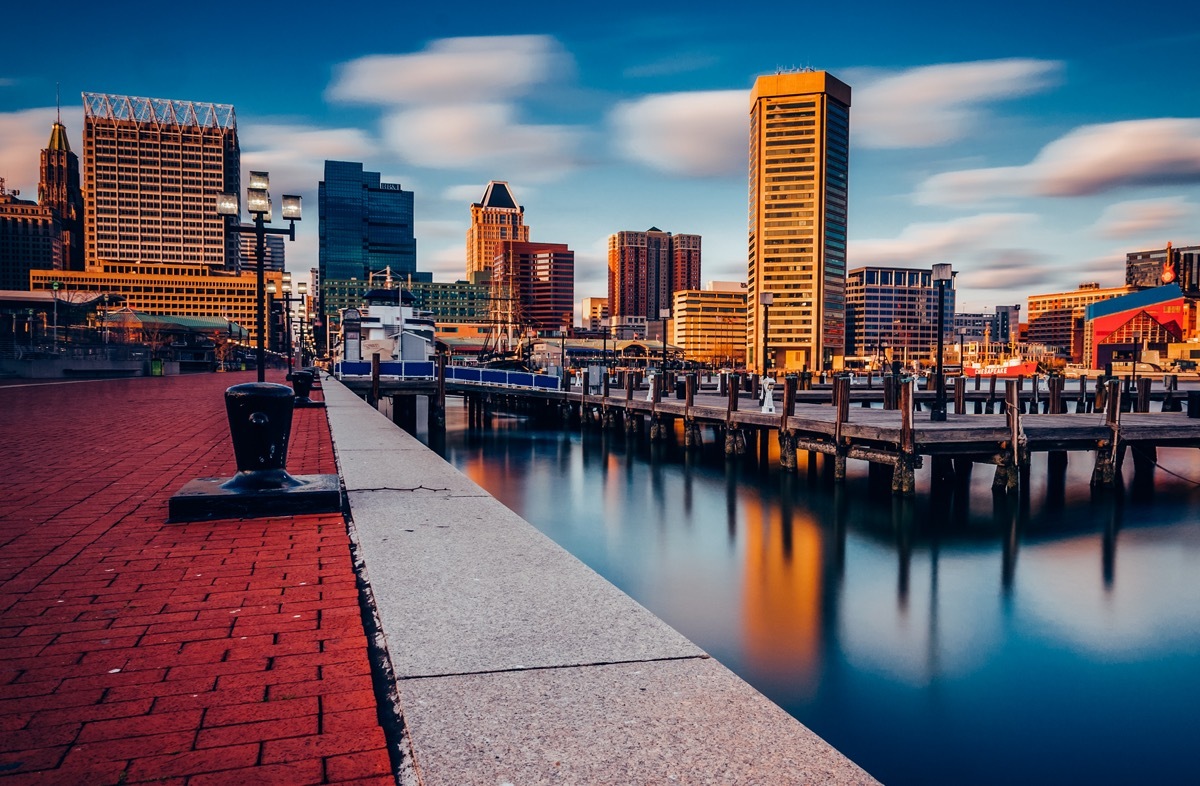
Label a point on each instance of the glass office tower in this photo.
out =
(366, 230)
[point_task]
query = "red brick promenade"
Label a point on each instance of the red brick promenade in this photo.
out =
(132, 650)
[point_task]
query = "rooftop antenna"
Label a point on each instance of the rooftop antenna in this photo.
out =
(58, 100)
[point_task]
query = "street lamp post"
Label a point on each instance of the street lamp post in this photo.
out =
(942, 274)
(258, 202)
(1137, 352)
(765, 299)
(288, 299)
(664, 314)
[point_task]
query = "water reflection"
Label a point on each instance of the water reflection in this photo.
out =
(954, 637)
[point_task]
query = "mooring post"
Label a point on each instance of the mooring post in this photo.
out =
(375, 379)
(1143, 394)
(903, 475)
(841, 399)
(1008, 465)
(735, 441)
(960, 396)
(990, 407)
(1108, 451)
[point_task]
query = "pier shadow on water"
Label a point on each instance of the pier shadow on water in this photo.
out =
(1050, 635)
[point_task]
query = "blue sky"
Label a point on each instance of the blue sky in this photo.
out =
(1029, 144)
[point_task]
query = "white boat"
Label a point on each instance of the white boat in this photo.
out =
(393, 327)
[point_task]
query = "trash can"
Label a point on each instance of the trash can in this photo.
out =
(680, 388)
(156, 367)
(1193, 409)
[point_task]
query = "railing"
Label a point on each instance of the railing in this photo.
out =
(421, 370)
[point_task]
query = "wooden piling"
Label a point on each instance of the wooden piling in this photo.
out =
(1104, 473)
(841, 400)
(375, 379)
(904, 473)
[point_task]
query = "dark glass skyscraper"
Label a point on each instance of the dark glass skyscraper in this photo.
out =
(366, 229)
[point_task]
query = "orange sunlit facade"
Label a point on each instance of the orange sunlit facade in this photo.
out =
(495, 219)
(799, 164)
(169, 290)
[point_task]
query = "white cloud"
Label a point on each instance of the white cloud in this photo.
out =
(7, 82)
(466, 136)
(1140, 217)
(455, 104)
(1088, 160)
(464, 192)
(927, 243)
(1007, 269)
(933, 105)
(453, 70)
(24, 134)
(697, 134)
(295, 154)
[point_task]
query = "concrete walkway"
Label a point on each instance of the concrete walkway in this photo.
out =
(514, 663)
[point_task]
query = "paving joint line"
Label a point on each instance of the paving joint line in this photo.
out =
(519, 669)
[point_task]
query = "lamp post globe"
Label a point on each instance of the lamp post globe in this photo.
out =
(258, 203)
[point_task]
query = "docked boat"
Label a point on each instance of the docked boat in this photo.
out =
(1011, 367)
(392, 326)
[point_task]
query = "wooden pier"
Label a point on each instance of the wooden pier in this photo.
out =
(1002, 425)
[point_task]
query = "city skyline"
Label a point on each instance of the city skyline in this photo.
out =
(1032, 159)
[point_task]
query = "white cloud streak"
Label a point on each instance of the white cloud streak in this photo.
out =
(1140, 217)
(927, 243)
(22, 135)
(937, 104)
(453, 70)
(1089, 160)
(456, 104)
(697, 134)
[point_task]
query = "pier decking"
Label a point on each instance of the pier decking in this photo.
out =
(840, 422)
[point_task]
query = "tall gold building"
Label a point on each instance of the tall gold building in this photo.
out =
(799, 161)
(495, 219)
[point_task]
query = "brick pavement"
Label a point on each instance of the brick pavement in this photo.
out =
(202, 653)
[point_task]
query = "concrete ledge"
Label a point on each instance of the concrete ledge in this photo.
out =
(516, 663)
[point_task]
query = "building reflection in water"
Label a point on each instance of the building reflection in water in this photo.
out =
(882, 623)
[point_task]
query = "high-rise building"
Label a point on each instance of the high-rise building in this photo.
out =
(533, 285)
(366, 227)
(58, 189)
(594, 313)
(30, 239)
(646, 268)
(894, 308)
(152, 171)
(274, 252)
(495, 219)
(799, 160)
(709, 324)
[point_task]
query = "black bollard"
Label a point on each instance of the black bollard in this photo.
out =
(302, 383)
(260, 424)
(1193, 405)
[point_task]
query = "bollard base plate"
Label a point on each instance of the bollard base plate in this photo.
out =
(203, 499)
(307, 403)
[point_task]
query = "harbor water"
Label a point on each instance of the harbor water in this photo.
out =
(963, 638)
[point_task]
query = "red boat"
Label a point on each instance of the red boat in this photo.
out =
(1013, 367)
